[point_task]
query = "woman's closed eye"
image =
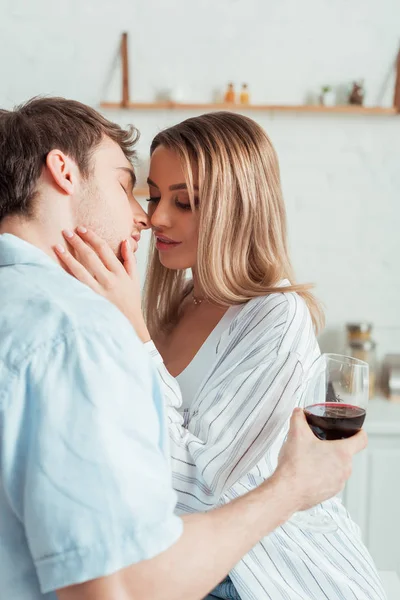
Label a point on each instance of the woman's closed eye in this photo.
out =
(178, 203)
(185, 205)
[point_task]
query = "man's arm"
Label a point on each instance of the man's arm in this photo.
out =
(86, 474)
(309, 472)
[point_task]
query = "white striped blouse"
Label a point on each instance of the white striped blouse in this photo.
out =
(236, 425)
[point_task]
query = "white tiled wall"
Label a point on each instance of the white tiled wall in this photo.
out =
(341, 174)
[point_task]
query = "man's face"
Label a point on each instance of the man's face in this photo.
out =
(106, 204)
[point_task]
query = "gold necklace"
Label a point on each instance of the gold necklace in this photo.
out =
(196, 301)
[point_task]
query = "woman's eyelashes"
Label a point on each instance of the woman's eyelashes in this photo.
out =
(182, 205)
(178, 203)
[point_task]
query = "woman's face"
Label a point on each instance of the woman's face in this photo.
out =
(174, 224)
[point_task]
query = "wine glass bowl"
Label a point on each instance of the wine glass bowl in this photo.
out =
(336, 396)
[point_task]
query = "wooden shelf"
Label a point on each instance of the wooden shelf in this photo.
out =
(141, 192)
(344, 109)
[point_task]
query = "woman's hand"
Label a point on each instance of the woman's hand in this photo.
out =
(96, 265)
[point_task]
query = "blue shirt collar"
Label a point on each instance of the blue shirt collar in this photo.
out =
(16, 251)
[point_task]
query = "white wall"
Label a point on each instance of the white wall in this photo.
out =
(341, 174)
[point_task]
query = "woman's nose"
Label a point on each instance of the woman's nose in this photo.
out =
(159, 216)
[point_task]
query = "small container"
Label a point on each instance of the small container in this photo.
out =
(327, 96)
(391, 377)
(244, 94)
(359, 331)
(360, 345)
(230, 96)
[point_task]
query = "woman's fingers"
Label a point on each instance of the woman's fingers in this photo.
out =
(88, 258)
(101, 248)
(129, 257)
(121, 286)
(75, 267)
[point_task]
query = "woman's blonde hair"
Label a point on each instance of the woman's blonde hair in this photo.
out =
(242, 247)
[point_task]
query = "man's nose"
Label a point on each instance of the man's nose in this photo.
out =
(141, 218)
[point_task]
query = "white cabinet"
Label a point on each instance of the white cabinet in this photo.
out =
(372, 494)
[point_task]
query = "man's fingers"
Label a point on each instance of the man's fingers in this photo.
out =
(298, 423)
(355, 443)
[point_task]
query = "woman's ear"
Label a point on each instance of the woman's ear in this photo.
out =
(62, 170)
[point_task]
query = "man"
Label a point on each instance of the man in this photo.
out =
(86, 504)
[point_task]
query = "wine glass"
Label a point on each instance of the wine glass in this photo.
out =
(335, 399)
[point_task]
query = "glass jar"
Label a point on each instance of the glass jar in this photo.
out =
(360, 345)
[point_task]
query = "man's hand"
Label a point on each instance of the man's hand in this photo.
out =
(315, 470)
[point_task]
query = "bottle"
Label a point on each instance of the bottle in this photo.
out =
(230, 94)
(360, 345)
(244, 94)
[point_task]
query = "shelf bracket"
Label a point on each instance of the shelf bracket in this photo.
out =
(396, 101)
(125, 70)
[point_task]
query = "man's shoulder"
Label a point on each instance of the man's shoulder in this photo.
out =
(38, 309)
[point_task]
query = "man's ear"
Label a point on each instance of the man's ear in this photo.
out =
(63, 171)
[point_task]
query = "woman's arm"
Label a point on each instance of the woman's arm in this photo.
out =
(232, 429)
(239, 414)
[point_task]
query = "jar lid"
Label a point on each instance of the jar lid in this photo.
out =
(361, 327)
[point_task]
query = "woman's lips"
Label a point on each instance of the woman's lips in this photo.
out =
(164, 243)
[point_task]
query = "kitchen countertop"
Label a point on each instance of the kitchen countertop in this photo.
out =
(383, 417)
(391, 583)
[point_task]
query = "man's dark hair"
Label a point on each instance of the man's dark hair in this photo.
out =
(30, 131)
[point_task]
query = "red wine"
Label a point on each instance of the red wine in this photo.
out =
(334, 421)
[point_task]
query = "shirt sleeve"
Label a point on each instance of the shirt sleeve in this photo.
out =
(169, 385)
(91, 484)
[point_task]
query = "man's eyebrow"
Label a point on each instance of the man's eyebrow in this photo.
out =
(131, 173)
(174, 187)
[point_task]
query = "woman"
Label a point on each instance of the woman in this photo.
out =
(237, 344)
